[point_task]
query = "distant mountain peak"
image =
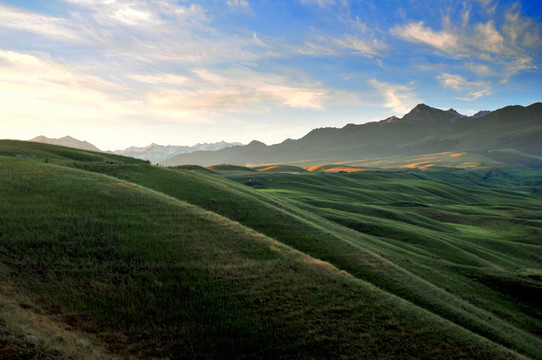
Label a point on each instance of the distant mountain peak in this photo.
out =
(67, 141)
(256, 143)
(479, 114)
(454, 112)
(392, 119)
(421, 107)
(157, 153)
(424, 114)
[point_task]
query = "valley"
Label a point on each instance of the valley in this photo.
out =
(154, 262)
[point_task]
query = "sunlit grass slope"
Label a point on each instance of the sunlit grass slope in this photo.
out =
(156, 276)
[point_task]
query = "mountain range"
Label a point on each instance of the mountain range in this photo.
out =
(424, 130)
(515, 131)
(154, 153)
(157, 153)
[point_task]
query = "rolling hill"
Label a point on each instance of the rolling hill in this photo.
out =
(424, 130)
(137, 260)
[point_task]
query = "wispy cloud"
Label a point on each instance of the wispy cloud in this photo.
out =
(110, 12)
(399, 98)
(521, 32)
(43, 25)
(34, 87)
(321, 3)
(238, 3)
(505, 49)
(417, 32)
(73, 94)
(310, 48)
(236, 88)
(180, 62)
(480, 69)
(362, 47)
(161, 78)
(474, 89)
(486, 38)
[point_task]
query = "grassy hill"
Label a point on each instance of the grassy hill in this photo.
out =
(280, 169)
(158, 262)
(335, 168)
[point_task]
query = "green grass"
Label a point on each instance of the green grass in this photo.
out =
(273, 168)
(228, 167)
(138, 254)
(191, 167)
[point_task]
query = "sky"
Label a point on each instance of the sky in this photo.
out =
(121, 73)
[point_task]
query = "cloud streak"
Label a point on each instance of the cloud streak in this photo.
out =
(418, 33)
(39, 24)
(504, 49)
(397, 97)
(474, 89)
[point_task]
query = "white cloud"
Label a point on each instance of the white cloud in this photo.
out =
(357, 24)
(295, 97)
(211, 77)
(486, 37)
(399, 98)
(43, 25)
(348, 44)
(259, 42)
(310, 48)
(480, 69)
(520, 31)
(360, 46)
(172, 79)
(417, 33)
(504, 48)
(485, 2)
(474, 89)
(242, 86)
(238, 3)
(110, 12)
(321, 3)
(466, 18)
(515, 66)
(33, 88)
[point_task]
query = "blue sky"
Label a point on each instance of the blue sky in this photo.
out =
(130, 72)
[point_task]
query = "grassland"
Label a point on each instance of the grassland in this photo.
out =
(177, 263)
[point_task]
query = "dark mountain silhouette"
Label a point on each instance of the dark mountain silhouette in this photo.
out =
(423, 130)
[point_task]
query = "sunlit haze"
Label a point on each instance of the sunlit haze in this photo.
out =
(118, 73)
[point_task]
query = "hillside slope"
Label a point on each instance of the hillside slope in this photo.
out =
(156, 276)
(366, 256)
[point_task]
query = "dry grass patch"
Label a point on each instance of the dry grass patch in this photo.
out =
(54, 335)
